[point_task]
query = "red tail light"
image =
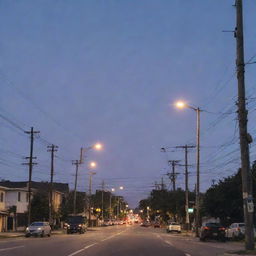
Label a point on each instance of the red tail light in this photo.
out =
(206, 228)
(222, 229)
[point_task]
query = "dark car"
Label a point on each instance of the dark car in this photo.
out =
(157, 224)
(76, 224)
(145, 224)
(212, 231)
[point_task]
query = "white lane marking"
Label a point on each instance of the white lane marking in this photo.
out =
(86, 247)
(108, 238)
(168, 243)
(112, 236)
(187, 254)
(11, 248)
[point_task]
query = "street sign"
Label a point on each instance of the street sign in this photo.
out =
(250, 205)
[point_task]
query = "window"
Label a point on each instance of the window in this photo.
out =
(19, 196)
(1, 197)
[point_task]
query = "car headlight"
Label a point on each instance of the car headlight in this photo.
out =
(39, 228)
(27, 229)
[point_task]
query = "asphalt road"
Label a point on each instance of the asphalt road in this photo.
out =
(114, 241)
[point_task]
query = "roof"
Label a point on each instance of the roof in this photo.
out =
(61, 187)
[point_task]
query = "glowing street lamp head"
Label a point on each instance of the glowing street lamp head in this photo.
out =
(121, 187)
(98, 146)
(93, 164)
(112, 189)
(180, 104)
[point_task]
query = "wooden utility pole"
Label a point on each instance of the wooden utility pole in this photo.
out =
(90, 195)
(51, 149)
(76, 163)
(30, 164)
(244, 136)
(174, 174)
(186, 147)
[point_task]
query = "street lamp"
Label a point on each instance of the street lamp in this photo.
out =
(181, 105)
(118, 202)
(148, 212)
(110, 203)
(92, 165)
(96, 146)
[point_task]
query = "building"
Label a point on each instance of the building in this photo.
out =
(16, 200)
(3, 212)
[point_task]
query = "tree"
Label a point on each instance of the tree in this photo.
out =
(167, 204)
(68, 204)
(40, 207)
(224, 200)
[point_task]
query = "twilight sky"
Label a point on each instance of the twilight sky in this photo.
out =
(86, 71)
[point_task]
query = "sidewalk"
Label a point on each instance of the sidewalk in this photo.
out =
(11, 234)
(22, 234)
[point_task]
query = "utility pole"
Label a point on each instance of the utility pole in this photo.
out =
(76, 163)
(174, 174)
(30, 164)
(198, 111)
(51, 149)
(244, 136)
(186, 147)
(102, 199)
(110, 206)
(162, 184)
(90, 195)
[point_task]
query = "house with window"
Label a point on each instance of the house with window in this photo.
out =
(16, 200)
(3, 212)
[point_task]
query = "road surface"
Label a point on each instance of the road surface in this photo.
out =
(114, 241)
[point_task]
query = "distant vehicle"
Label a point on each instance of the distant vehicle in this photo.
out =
(76, 224)
(236, 231)
(212, 231)
(173, 227)
(38, 229)
(106, 223)
(145, 224)
(157, 224)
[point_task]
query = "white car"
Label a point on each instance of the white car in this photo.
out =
(39, 228)
(236, 231)
(173, 227)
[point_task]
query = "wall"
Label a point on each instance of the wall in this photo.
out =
(12, 199)
(2, 204)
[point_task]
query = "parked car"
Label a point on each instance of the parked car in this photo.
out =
(212, 231)
(38, 229)
(173, 227)
(236, 231)
(145, 224)
(157, 224)
(76, 224)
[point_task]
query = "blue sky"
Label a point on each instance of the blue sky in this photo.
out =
(109, 71)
